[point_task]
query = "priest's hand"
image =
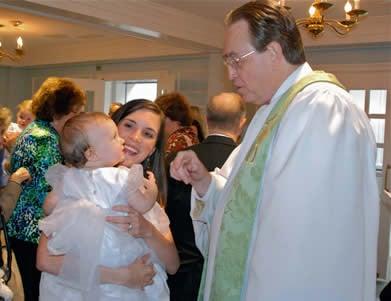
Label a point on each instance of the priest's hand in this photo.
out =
(187, 168)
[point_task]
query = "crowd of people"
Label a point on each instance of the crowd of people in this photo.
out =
(148, 202)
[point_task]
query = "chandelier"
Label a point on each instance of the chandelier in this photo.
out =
(17, 52)
(317, 22)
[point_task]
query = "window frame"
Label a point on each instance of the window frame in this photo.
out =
(367, 93)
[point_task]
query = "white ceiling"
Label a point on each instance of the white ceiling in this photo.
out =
(217, 9)
(61, 31)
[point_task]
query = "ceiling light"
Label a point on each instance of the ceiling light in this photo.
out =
(18, 51)
(317, 21)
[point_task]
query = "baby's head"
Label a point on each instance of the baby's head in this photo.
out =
(91, 140)
(25, 113)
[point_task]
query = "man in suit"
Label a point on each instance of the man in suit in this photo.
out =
(225, 115)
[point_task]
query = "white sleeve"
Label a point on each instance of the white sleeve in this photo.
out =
(131, 180)
(203, 208)
(158, 218)
(202, 211)
(76, 229)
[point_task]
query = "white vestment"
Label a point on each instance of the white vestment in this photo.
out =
(315, 234)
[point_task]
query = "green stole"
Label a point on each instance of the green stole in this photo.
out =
(237, 226)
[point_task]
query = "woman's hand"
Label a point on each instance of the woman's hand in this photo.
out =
(138, 274)
(138, 226)
(133, 222)
(20, 175)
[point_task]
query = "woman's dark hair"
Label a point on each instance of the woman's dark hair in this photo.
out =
(56, 98)
(200, 130)
(176, 107)
(267, 23)
(155, 162)
(198, 122)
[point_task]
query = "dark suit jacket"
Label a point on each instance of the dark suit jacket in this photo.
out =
(385, 294)
(184, 285)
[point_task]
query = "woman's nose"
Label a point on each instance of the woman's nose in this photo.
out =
(137, 136)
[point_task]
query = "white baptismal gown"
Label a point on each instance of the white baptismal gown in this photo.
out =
(77, 228)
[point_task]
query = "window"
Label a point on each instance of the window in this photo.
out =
(140, 89)
(374, 102)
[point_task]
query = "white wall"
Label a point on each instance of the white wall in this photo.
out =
(188, 75)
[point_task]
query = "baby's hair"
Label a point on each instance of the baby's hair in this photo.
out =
(26, 105)
(74, 139)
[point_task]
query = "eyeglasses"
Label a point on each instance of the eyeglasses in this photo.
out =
(235, 62)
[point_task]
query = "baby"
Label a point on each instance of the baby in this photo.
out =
(83, 193)
(24, 117)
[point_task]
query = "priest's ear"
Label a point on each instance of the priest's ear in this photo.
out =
(275, 50)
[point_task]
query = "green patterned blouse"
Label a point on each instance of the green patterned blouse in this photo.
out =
(36, 149)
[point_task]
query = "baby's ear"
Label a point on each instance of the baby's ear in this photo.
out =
(90, 154)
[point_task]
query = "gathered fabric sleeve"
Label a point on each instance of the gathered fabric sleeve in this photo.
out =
(158, 217)
(55, 176)
(131, 180)
(75, 230)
